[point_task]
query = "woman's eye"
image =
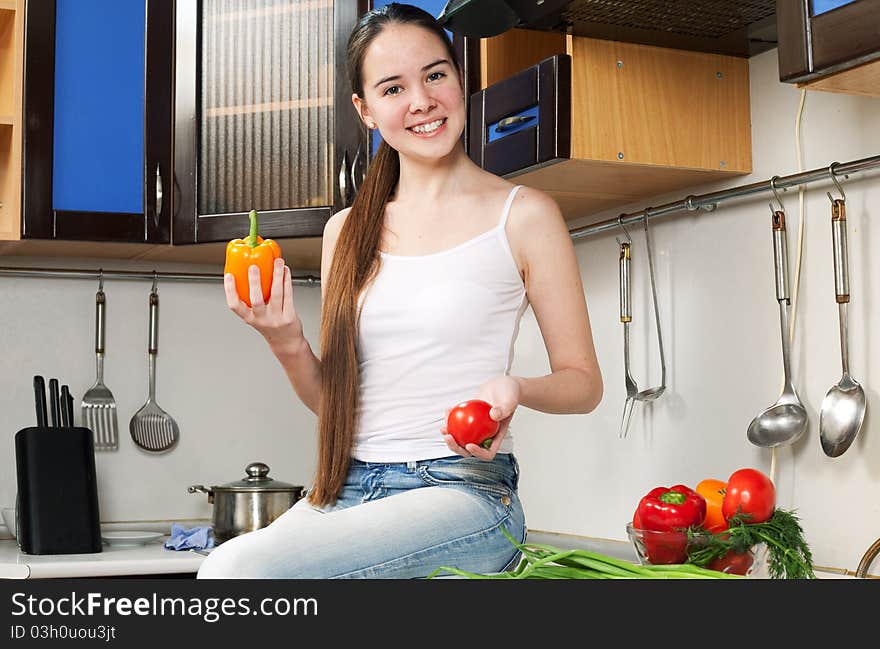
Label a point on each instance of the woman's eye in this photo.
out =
(392, 90)
(434, 76)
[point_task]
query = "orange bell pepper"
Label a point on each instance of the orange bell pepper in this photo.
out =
(241, 254)
(713, 491)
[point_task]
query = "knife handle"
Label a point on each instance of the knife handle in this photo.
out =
(65, 410)
(40, 400)
(70, 407)
(54, 413)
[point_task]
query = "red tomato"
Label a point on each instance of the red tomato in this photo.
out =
(749, 494)
(736, 563)
(469, 422)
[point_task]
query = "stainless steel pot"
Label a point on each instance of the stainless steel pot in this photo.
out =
(248, 504)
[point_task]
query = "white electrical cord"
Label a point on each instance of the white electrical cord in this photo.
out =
(800, 247)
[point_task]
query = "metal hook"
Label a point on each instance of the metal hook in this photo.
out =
(155, 281)
(621, 226)
(100, 280)
(776, 194)
(836, 183)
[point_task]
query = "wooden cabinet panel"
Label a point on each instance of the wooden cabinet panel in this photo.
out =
(608, 123)
(11, 34)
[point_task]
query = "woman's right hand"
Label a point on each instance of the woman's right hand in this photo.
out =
(276, 321)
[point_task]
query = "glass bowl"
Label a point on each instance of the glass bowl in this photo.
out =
(658, 548)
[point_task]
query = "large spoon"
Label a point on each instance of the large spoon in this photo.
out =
(843, 409)
(785, 420)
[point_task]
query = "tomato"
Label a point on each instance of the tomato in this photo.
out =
(751, 495)
(736, 563)
(713, 491)
(469, 423)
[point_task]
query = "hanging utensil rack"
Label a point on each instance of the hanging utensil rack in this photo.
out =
(73, 273)
(707, 202)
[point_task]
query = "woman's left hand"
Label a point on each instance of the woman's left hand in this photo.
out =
(503, 393)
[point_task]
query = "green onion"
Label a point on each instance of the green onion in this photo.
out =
(547, 562)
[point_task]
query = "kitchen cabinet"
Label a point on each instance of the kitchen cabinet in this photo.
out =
(830, 45)
(225, 107)
(97, 107)
(11, 24)
(263, 118)
(606, 123)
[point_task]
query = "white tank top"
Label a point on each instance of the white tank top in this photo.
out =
(433, 329)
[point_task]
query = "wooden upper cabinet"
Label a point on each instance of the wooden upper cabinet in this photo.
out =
(97, 111)
(830, 44)
(598, 124)
(11, 22)
(263, 118)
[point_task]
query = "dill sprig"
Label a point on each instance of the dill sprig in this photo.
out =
(788, 554)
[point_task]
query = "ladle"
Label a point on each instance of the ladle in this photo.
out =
(786, 420)
(843, 409)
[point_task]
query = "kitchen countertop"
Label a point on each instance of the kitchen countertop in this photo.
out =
(113, 561)
(153, 559)
(150, 559)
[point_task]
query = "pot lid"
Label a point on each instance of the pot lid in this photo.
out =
(257, 479)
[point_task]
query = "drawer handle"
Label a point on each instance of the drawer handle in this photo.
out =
(158, 194)
(509, 123)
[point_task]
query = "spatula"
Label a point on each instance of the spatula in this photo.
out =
(152, 428)
(98, 404)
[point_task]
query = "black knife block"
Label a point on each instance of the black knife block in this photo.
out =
(57, 491)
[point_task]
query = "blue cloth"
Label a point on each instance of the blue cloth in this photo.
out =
(196, 538)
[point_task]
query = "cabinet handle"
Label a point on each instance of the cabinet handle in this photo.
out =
(158, 194)
(354, 183)
(343, 179)
(509, 123)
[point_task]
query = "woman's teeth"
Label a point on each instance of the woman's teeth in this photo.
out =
(429, 128)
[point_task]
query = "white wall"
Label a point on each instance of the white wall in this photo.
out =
(721, 333)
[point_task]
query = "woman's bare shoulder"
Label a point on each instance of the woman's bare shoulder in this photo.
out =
(533, 207)
(335, 222)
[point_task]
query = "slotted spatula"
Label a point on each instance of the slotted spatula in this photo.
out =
(152, 428)
(98, 405)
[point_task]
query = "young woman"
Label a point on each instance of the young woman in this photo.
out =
(424, 281)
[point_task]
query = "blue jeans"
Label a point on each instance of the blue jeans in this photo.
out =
(391, 521)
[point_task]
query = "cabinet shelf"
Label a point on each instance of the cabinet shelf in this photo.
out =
(293, 7)
(302, 255)
(862, 80)
(269, 107)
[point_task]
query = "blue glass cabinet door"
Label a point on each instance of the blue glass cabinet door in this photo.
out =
(97, 95)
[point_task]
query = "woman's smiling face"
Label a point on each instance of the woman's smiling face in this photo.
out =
(412, 92)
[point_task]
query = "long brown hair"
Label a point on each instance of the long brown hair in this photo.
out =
(355, 262)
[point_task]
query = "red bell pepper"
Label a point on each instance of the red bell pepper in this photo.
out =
(665, 514)
(666, 509)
